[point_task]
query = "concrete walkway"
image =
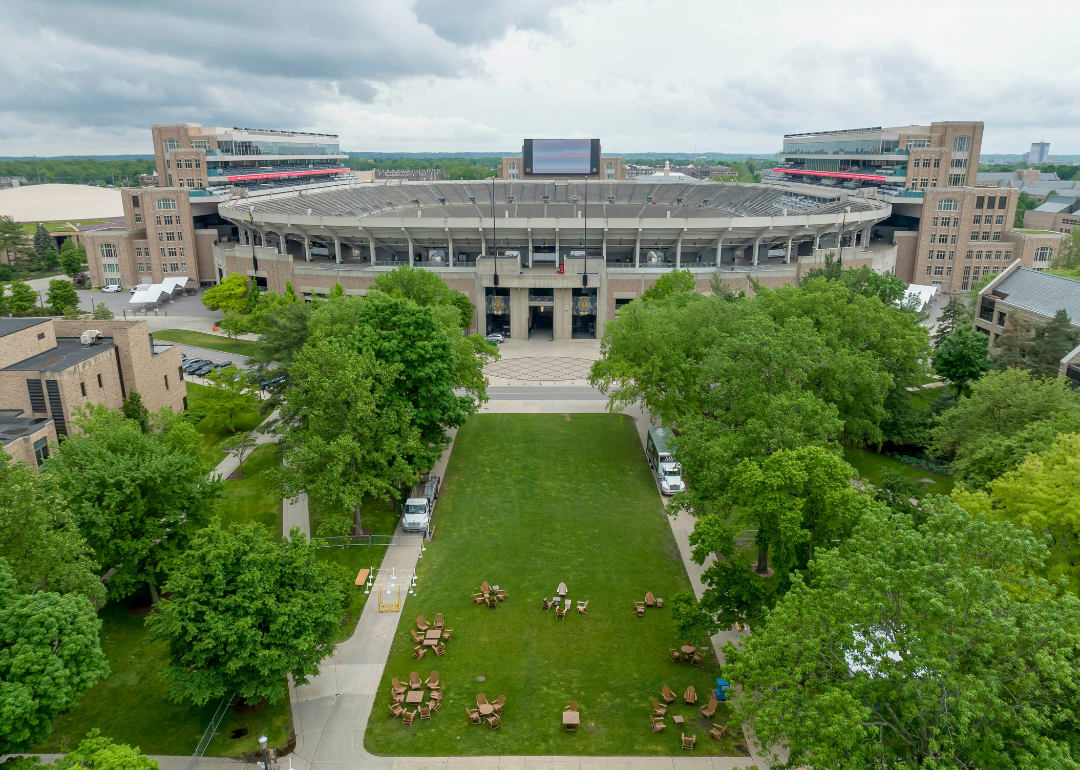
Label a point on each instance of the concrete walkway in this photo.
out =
(227, 466)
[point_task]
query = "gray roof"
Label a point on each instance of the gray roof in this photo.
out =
(15, 428)
(1042, 293)
(68, 352)
(12, 325)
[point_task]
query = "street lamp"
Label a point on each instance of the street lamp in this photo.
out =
(266, 756)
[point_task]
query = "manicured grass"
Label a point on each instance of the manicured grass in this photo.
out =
(254, 498)
(130, 706)
(208, 341)
(380, 518)
(530, 501)
(213, 435)
(871, 465)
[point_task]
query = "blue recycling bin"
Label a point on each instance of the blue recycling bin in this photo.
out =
(721, 689)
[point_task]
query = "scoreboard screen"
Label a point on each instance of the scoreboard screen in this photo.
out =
(561, 156)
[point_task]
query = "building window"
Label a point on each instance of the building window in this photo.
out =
(181, 183)
(170, 236)
(948, 270)
(168, 219)
(138, 252)
(939, 270)
(937, 162)
(181, 251)
(961, 144)
(1003, 202)
(990, 201)
(948, 204)
(1008, 256)
(162, 250)
(959, 163)
(978, 255)
(974, 235)
(997, 255)
(200, 144)
(166, 382)
(933, 182)
(951, 255)
(968, 255)
(977, 219)
(161, 237)
(187, 162)
(923, 183)
(935, 222)
(941, 255)
(41, 450)
(138, 218)
(918, 143)
(157, 220)
(979, 201)
(164, 267)
(183, 267)
(198, 163)
(82, 389)
(926, 162)
(107, 251)
(997, 235)
(190, 182)
(967, 277)
(986, 235)
(179, 235)
(172, 251)
(1043, 253)
(140, 266)
(99, 384)
(952, 239)
(609, 171)
(956, 180)
(930, 254)
(174, 267)
(170, 144)
(943, 238)
(166, 204)
(178, 163)
(928, 268)
(946, 221)
(999, 219)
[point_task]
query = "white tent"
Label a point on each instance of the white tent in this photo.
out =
(149, 294)
(924, 293)
(175, 286)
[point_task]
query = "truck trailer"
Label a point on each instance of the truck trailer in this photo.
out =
(420, 506)
(668, 472)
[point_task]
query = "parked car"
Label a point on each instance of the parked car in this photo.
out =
(274, 381)
(134, 289)
(202, 371)
(196, 363)
(494, 338)
(111, 289)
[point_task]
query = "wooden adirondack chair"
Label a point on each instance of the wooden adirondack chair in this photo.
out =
(657, 709)
(688, 742)
(583, 607)
(690, 696)
(419, 652)
(709, 708)
(396, 686)
(415, 682)
(718, 732)
(439, 620)
(492, 601)
(481, 699)
(434, 705)
(396, 710)
(639, 608)
(440, 650)
(477, 598)
(408, 717)
(572, 706)
(650, 600)
(674, 655)
(494, 722)
(425, 713)
(667, 695)
(658, 725)
(545, 604)
(697, 660)
(433, 681)
(560, 611)
(447, 633)
(474, 715)
(421, 623)
(499, 703)
(485, 589)
(417, 636)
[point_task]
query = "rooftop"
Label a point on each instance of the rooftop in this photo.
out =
(67, 353)
(1042, 293)
(60, 203)
(13, 428)
(12, 325)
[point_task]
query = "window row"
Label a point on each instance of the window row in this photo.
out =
(939, 270)
(166, 267)
(187, 162)
(975, 235)
(979, 219)
(996, 255)
(170, 236)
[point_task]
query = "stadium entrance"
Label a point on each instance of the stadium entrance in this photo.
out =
(541, 315)
(583, 314)
(497, 304)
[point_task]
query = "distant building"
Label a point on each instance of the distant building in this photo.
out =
(1059, 214)
(1036, 297)
(48, 367)
(409, 174)
(148, 180)
(1039, 154)
(1037, 184)
(12, 181)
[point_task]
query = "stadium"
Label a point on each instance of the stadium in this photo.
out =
(548, 257)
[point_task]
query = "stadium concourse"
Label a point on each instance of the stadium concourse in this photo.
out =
(563, 267)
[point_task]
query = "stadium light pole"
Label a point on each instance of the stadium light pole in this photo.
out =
(494, 242)
(585, 270)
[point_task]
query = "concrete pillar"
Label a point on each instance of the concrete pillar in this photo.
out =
(787, 255)
(283, 247)
(411, 247)
(603, 249)
(307, 249)
(678, 252)
(562, 323)
(528, 258)
(450, 247)
(337, 251)
(637, 251)
(519, 314)
(757, 242)
(483, 244)
(719, 248)
(817, 241)
(558, 252)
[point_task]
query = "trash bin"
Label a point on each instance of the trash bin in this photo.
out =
(721, 689)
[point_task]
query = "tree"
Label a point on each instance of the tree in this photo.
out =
(241, 446)
(22, 298)
(931, 647)
(137, 498)
(1024, 202)
(50, 260)
(675, 282)
(1008, 415)
(233, 324)
(231, 394)
(102, 312)
(50, 655)
(11, 237)
(96, 752)
(40, 539)
(229, 295)
(72, 258)
(135, 411)
(1013, 343)
(956, 314)
(897, 492)
(43, 242)
(283, 334)
(1068, 256)
(1040, 495)
(692, 624)
(62, 295)
(248, 609)
(345, 436)
(962, 358)
(1052, 341)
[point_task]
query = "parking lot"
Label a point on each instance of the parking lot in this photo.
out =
(119, 302)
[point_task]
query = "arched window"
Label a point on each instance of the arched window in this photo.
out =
(948, 204)
(168, 204)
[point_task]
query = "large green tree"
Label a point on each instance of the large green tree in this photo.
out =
(1051, 342)
(938, 646)
(137, 499)
(1008, 415)
(248, 609)
(673, 282)
(962, 357)
(231, 394)
(50, 655)
(62, 295)
(40, 539)
(424, 287)
(12, 238)
(96, 752)
(345, 436)
(958, 312)
(43, 242)
(1068, 256)
(1013, 343)
(22, 298)
(72, 258)
(229, 296)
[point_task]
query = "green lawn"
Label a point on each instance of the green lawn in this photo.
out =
(213, 435)
(530, 501)
(130, 705)
(870, 465)
(253, 498)
(208, 341)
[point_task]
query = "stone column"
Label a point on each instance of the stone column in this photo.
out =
(411, 246)
(337, 251)
(307, 249)
(757, 242)
(371, 245)
(678, 252)
(637, 251)
(519, 314)
(450, 247)
(787, 254)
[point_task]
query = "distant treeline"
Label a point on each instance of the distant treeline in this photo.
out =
(452, 168)
(79, 171)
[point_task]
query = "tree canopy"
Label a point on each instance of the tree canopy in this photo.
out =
(962, 358)
(229, 296)
(231, 394)
(50, 655)
(936, 646)
(1008, 415)
(136, 498)
(426, 288)
(96, 752)
(62, 295)
(247, 610)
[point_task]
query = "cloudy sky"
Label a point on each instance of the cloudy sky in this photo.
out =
(90, 76)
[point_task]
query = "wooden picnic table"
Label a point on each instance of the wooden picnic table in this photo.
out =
(361, 576)
(571, 719)
(415, 696)
(485, 709)
(435, 633)
(678, 719)
(688, 649)
(430, 642)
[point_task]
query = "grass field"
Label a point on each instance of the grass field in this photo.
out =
(208, 341)
(871, 465)
(213, 435)
(253, 498)
(530, 501)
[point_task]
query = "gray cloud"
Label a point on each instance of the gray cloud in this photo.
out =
(477, 21)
